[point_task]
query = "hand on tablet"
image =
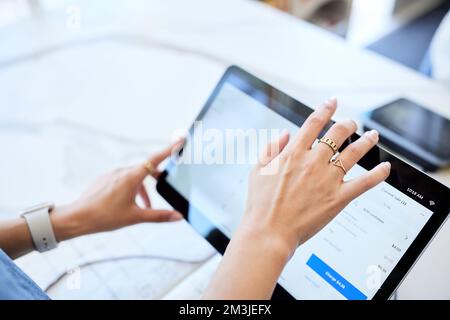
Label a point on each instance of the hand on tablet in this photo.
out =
(306, 190)
(110, 203)
(293, 193)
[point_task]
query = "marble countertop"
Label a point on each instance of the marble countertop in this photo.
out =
(76, 102)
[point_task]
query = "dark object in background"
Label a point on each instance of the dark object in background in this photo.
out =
(409, 44)
(413, 131)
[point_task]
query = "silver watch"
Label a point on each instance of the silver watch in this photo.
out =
(40, 226)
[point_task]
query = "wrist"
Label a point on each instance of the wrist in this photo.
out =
(250, 249)
(280, 237)
(67, 222)
(272, 244)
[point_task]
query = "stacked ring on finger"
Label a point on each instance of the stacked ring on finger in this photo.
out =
(336, 135)
(348, 157)
(356, 150)
(338, 163)
(329, 142)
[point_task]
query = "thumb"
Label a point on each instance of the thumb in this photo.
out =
(159, 215)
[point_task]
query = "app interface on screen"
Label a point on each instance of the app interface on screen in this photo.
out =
(349, 258)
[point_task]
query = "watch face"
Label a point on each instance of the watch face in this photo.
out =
(37, 207)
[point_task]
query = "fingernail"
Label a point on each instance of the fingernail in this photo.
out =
(372, 134)
(387, 165)
(353, 122)
(332, 99)
(284, 132)
(176, 217)
(330, 104)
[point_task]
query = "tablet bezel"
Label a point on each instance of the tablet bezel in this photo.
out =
(402, 177)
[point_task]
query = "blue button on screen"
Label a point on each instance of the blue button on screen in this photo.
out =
(334, 279)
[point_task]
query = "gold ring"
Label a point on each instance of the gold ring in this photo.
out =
(149, 167)
(329, 142)
(338, 163)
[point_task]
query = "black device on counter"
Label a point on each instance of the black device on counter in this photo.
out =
(413, 131)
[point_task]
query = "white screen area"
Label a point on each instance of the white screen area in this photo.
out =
(350, 257)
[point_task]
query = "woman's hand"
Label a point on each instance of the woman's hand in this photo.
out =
(306, 191)
(293, 193)
(110, 203)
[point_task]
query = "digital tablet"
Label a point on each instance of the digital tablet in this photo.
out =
(363, 253)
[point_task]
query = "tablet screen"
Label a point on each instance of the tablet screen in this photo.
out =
(349, 258)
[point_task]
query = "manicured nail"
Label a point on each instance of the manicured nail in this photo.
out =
(330, 104)
(176, 217)
(387, 165)
(373, 134)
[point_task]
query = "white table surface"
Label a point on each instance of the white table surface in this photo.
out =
(83, 106)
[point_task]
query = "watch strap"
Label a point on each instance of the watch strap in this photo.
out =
(41, 229)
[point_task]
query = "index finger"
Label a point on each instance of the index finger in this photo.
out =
(159, 157)
(141, 170)
(314, 124)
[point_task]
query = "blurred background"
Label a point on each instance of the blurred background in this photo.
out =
(401, 30)
(90, 85)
